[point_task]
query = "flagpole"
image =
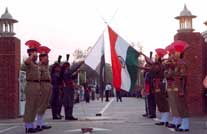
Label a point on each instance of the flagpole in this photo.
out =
(102, 79)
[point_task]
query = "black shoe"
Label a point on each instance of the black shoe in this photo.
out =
(61, 116)
(44, 127)
(151, 116)
(178, 125)
(30, 130)
(38, 128)
(162, 123)
(57, 118)
(181, 130)
(71, 118)
(170, 125)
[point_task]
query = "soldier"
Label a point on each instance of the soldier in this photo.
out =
(45, 86)
(160, 87)
(69, 76)
(181, 80)
(148, 91)
(32, 89)
(56, 89)
(150, 95)
(171, 88)
(86, 92)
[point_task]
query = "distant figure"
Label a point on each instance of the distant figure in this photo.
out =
(138, 92)
(81, 93)
(118, 95)
(93, 91)
(87, 92)
(97, 92)
(107, 91)
(77, 94)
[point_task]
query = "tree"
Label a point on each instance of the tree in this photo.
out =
(139, 47)
(78, 54)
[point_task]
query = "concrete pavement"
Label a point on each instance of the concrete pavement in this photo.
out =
(117, 118)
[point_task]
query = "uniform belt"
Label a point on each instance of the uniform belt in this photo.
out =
(33, 80)
(157, 90)
(45, 81)
(172, 89)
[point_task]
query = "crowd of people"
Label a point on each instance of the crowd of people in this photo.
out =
(165, 86)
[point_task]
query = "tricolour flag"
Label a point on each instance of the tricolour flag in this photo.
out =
(124, 59)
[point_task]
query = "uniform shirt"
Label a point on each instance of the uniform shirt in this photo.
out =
(32, 72)
(68, 78)
(56, 79)
(45, 78)
(45, 73)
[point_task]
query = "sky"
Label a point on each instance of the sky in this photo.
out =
(67, 25)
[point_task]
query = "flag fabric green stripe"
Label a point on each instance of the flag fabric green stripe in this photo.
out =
(132, 65)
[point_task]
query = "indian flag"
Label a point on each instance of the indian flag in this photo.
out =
(124, 59)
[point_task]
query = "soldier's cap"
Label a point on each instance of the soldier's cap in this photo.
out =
(56, 64)
(66, 63)
(43, 50)
(161, 52)
(67, 58)
(33, 45)
(180, 46)
(170, 49)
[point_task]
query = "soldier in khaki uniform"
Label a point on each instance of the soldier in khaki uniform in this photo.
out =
(172, 90)
(160, 88)
(45, 86)
(181, 80)
(32, 89)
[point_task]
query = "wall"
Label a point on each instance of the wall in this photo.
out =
(9, 73)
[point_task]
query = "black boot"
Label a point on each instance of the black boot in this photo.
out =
(57, 117)
(30, 130)
(71, 118)
(44, 127)
(162, 123)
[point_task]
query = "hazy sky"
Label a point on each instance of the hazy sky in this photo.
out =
(65, 25)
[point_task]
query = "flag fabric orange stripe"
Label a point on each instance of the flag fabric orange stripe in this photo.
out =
(116, 65)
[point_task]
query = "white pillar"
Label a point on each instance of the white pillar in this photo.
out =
(9, 27)
(12, 28)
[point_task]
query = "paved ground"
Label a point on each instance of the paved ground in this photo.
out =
(117, 118)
